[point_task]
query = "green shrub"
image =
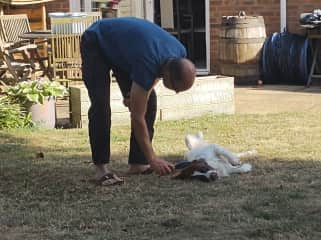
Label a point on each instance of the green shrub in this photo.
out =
(12, 116)
(35, 91)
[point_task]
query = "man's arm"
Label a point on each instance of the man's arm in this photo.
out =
(138, 105)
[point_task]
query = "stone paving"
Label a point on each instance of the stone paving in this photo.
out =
(276, 98)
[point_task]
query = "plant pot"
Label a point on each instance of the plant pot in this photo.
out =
(107, 12)
(44, 115)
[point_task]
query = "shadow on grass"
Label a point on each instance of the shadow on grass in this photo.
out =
(43, 169)
(51, 198)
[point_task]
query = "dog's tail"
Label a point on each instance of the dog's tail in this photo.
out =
(247, 154)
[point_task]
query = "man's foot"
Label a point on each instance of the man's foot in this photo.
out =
(109, 179)
(104, 177)
(101, 170)
(139, 169)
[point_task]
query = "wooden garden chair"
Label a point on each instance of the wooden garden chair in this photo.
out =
(19, 70)
(14, 25)
(65, 50)
(65, 45)
(11, 27)
(95, 16)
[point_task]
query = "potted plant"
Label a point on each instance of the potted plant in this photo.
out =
(38, 97)
(109, 9)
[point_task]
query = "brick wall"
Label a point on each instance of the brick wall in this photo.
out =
(295, 8)
(58, 6)
(269, 9)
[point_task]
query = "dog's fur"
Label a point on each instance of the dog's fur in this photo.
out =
(198, 169)
(219, 158)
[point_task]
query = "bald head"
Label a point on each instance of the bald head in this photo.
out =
(179, 74)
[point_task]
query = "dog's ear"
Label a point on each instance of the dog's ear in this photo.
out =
(189, 141)
(200, 135)
(194, 140)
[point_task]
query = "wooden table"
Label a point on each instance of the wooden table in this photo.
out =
(314, 36)
(41, 37)
(36, 35)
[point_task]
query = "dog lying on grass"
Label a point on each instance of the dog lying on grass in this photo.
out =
(210, 161)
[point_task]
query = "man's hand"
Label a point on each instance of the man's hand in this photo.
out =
(161, 167)
(138, 105)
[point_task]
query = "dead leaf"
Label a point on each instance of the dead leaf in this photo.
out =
(40, 155)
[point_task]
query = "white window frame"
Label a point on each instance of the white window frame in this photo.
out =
(74, 5)
(283, 15)
(149, 10)
(87, 5)
(206, 70)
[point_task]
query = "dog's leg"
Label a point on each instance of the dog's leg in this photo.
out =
(229, 156)
(247, 154)
(243, 168)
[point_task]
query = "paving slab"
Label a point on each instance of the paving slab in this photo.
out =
(276, 98)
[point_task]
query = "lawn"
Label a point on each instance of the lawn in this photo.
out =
(52, 198)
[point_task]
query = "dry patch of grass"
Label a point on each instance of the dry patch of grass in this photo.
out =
(51, 198)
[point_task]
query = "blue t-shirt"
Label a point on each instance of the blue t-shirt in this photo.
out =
(137, 46)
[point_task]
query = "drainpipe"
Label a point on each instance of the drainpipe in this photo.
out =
(283, 15)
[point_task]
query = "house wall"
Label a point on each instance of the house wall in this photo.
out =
(126, 7)
(35, 14)
(269, 9)
(58, 6)
(295, 8)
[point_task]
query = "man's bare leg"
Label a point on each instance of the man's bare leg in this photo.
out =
(101, 170)
(105, 177)
(137, 168)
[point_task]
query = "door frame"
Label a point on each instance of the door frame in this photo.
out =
(149, 11)
(206, 70)
(207, 36)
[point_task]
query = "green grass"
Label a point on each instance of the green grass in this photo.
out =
(52, 198)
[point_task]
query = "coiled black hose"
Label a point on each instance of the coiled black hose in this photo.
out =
(285, 59)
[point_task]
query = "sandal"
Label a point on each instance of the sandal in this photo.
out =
(109, 179)
(147, 171)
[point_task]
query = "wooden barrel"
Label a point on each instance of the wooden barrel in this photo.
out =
(240, 44)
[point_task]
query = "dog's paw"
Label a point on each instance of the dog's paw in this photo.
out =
(246, 167)
(194, 140)
(199, 135)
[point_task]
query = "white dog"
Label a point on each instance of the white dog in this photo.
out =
(220, 159)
